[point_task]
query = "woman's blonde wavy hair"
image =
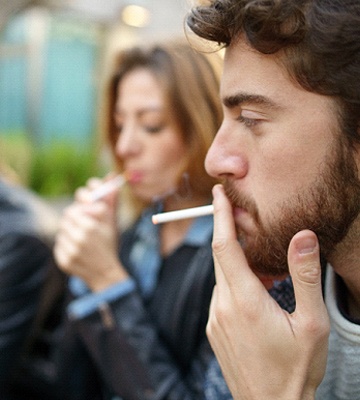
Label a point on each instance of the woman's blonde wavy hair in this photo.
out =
(190, 82)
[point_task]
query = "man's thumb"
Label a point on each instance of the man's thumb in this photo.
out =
(305, 270)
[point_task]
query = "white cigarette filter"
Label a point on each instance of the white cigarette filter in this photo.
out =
(182, 214)
(107, 187)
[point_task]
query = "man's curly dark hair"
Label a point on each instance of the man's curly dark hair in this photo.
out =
(319, 42)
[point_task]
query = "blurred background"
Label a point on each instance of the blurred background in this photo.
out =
(53, 57)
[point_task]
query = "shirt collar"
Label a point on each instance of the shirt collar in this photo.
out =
(199, 233)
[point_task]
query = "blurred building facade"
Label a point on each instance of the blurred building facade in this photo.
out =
(52, 56)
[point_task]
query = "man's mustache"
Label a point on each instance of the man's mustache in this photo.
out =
(240, 200)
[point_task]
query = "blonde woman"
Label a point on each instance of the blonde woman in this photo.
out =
(139, 300)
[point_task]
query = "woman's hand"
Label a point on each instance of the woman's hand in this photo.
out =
(265, 352)
(87, 242)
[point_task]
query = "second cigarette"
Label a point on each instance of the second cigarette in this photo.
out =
(182, 214)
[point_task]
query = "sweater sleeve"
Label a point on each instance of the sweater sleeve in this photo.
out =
(88, 301)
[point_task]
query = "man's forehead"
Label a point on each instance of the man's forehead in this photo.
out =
(235, 58)
(249, 71)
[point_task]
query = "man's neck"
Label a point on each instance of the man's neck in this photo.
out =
(346, 263)
(354, 306)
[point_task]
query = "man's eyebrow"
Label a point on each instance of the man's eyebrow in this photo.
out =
(241, 98)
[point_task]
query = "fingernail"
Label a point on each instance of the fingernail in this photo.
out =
(306, 245)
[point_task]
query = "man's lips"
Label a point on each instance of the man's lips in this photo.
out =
(243, 220)
(238, 211)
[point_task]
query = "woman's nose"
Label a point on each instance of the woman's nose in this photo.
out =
(127, 143)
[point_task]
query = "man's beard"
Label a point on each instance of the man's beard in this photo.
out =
(328, 206)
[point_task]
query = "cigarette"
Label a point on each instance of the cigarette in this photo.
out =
(182, 214)
(115, 183)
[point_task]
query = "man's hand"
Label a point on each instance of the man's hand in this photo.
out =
(265, 352)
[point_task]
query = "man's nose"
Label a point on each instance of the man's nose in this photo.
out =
(226, 156)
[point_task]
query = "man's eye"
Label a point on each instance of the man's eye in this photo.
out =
(248, 122)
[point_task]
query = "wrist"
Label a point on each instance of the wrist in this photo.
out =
(108, 278)
(292, 393)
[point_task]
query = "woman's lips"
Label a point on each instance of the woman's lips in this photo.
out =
(134, 176)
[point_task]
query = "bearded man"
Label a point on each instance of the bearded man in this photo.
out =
(288, 156)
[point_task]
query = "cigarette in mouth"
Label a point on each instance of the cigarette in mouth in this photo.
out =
(115, 183)
(182, 214)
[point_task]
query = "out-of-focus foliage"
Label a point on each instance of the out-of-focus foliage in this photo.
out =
(53, 169)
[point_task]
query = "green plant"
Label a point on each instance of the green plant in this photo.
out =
(60, 168)
(51, 169)
(15, 155)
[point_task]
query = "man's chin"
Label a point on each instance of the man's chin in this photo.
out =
(269, 267)
(262, 263)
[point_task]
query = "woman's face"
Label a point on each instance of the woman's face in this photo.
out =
(149, 145)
